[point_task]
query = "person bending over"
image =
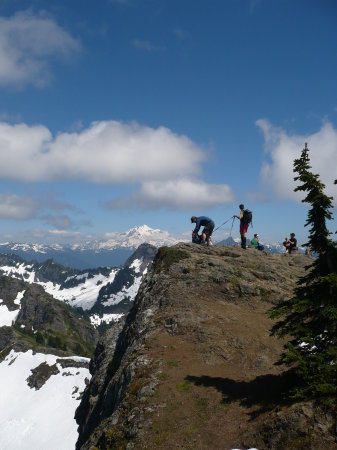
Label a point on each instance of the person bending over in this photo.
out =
(208, 225)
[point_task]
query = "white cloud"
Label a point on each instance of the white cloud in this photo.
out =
(17, 207)
(51, 236)
(46, 206)
(27, 43)
(183, 193)
(281, 149)
(167, 166)
(106, 152)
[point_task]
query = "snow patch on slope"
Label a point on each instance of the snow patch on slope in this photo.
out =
(20, 270)
(130, 292)
(136, 265)
(84, 295)
(19, 297)
(96, 320)
(7, 317)
(39, 419)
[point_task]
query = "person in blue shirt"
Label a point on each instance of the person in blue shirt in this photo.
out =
(208, 225)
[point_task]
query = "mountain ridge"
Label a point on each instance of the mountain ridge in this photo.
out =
(195, 352)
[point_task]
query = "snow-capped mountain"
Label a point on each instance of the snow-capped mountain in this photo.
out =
(137, 236)
(104, 293)
(109, 252)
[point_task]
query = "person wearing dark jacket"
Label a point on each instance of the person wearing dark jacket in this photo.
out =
(290, 244)
(207, 231)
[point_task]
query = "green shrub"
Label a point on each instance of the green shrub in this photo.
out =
(167, 256)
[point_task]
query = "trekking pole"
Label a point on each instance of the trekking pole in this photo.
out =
(222, 224)
(230, 234)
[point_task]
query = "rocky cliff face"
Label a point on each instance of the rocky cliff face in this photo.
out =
(41, 373)
(38, 321)
(195, 366)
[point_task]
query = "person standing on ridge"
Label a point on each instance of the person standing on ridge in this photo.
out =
(245, 218)
(208, 225)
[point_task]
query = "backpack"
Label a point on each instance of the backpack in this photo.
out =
(196, 239)
(247, 216)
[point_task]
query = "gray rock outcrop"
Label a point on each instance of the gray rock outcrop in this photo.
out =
(195, 352)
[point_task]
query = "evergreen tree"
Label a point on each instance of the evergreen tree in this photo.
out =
(310, 317)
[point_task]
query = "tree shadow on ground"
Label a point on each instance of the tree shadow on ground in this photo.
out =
(266, 391)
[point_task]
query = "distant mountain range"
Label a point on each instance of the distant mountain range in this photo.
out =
(111, 252)
(103, 294)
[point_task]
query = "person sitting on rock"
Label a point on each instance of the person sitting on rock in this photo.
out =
(255, 242)
(290, 244)
(208, 225)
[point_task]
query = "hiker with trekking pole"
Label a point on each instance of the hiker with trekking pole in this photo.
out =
(245, 218)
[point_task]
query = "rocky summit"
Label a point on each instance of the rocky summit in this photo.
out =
(195, 365)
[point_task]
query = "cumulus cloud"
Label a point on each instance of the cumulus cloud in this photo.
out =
(27, 44)
(106, 152)
(282, 148)
(177, 194)
(17, 207)
(46, 206)
(166, 166)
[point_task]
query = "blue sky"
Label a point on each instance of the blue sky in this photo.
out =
(118, 113)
